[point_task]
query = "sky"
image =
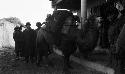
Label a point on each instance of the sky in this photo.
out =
(26, 10)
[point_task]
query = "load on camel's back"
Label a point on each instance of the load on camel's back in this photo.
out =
(61, 32)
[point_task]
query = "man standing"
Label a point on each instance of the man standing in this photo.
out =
(109, 16)
(29, 42)
(18, 38)
(121, 44)
(38, 24)
(121, 48)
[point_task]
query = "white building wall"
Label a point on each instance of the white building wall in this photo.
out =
(6, 34)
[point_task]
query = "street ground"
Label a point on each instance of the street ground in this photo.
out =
(8, 65)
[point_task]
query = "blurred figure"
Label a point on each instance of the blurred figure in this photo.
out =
(121, 49)
(18, 38)
(109, 16)
(38, 24)
(120, 44)
(29, 42)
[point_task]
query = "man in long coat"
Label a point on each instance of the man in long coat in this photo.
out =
(29, 42)
(120, 47)
(18, 38)
(38, 24)
(109, 16)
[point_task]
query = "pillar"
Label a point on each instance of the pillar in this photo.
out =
(83, 11)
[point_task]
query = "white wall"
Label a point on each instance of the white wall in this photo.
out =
(6, 34)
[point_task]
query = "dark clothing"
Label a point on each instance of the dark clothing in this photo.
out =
(18, 38)
(37, 30)
(115, 29)
(109, 14)
(42, 46)
(104, 41)
(36, 51)
(107, 10)
(121, 48)
(123, 11)
(29, 42)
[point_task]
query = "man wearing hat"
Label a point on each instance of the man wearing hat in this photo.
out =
(29, 42)
(38, 24)
(18, 38)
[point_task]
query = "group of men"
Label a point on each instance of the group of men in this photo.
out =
(25, 41)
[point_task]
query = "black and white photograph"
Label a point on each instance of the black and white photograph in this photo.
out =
(62, 36)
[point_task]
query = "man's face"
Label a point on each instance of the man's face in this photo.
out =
(38, 25)
(119, 6)
(28, 26)
(21, 28)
